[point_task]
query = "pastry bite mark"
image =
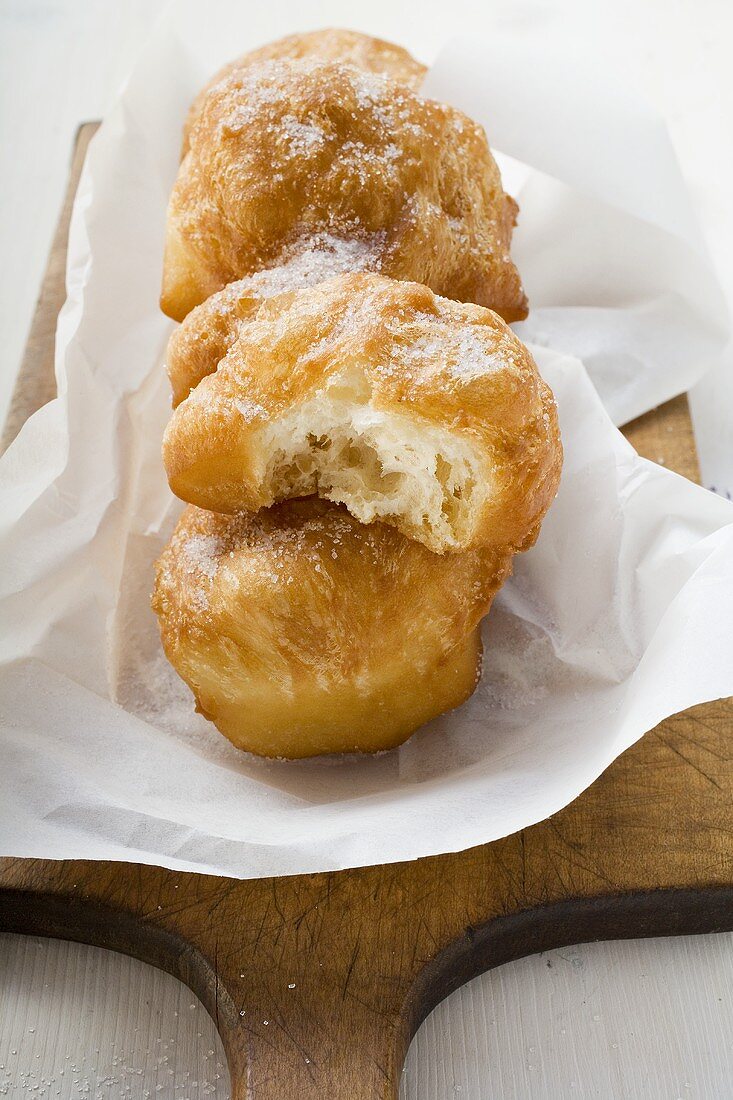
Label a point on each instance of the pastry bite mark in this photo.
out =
(381, 465)
(330, 44)
(424, 413)
(301, 631)
(300, 163)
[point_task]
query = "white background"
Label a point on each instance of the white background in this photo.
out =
(652, 1020)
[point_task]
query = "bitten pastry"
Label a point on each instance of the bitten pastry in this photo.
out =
(425, 413)
(310, 168)
(349, 47)
(300, 631)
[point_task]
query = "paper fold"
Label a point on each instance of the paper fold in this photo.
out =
(610, 252)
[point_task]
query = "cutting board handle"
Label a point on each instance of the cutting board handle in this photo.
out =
(317, 983)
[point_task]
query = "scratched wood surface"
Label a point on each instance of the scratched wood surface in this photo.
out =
(317, 983)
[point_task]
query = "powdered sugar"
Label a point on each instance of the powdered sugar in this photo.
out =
(471, 354)
(201, 553)
(201, 557)
(250, 410)
(313, 259)
(257, 87)
(305, 137)
(214, 403)
(466, 351)
(370, 88)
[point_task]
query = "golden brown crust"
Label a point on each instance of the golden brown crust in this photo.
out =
(403, 351)
(301, 631)
(305, 165)
(196, 347)
(373, 55)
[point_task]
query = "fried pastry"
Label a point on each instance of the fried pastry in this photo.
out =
(300, 631)
(308, 168)
(349, 47)
(197, 346)
(425, 413)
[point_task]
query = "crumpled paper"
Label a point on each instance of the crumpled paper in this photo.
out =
(609, 249)
(619, 616)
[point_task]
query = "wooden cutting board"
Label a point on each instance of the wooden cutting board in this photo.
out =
(318, 982)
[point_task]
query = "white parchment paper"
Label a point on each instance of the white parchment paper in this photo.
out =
(618, 617)
(608, 245)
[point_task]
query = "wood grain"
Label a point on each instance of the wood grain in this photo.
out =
(317, 983)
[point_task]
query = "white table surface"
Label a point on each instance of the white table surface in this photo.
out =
(644, 1019)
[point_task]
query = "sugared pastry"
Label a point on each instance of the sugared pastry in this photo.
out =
(302, 165)
(425, 413)
(349, 47)
(197, 346)
(300, 631)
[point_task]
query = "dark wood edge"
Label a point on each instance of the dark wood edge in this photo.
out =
(530, 931)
